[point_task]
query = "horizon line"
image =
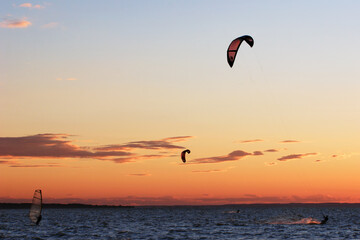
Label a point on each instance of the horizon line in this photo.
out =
(181, 205)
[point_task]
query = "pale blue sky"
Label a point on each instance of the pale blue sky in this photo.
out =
(154, 59)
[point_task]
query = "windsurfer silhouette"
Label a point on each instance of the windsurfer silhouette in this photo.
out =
(38, 220)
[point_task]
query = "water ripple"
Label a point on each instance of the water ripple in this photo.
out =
(223, 222)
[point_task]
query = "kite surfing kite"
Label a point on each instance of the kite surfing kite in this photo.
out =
(183, 155)
(234, 46)
(36, 206)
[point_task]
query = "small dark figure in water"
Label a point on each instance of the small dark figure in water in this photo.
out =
(38, 220)
(238, 211)
(326, 218)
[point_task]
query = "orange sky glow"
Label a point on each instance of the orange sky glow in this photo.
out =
(97, 102)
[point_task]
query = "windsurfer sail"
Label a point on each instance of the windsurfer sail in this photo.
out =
(36, 206)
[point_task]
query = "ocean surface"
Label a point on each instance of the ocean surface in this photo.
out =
(198, 222)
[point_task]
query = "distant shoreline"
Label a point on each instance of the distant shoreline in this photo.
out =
(80, 205)
(58, 205)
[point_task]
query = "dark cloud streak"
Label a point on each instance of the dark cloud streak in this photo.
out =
(233, 156)
(295, 156)
(289, 141)
(271, 150)
(49, 146)
(163, 144)
(251, 141)
(58, 146)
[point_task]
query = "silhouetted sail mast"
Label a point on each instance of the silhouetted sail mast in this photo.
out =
(36, 206)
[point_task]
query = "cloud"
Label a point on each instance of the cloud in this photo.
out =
(139, 174)
(178, 139)
(38, 6)
(208, 171)
(50, 25)
(272, 150)
(35, 166)
(289, 141)
(257, 153)
(15, 23)
(163, 144)
(58, 146)
(123, 160)
(270, 163)
(26, 5)
(344, 155)
(31, 6)
(5, 162)
(233, 156)
(49, 146)
(138, 157)
(295, 156)
(251, 141)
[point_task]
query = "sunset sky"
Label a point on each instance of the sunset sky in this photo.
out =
(99, 98)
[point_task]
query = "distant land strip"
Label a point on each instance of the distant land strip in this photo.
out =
(241, 205)
(58, 205)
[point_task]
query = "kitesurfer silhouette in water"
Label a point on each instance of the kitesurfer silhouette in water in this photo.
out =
(326, 218)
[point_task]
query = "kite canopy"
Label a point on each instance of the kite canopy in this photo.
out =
(183, 155)
(234, 46)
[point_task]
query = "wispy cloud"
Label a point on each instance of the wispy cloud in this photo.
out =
(162, 144)
(25, 5)
(289, 141)
(138, 158)
(139, 174)
(31, 6)
(177, 139)
(270, 163)
(35, 166)
(344, 155)
(208, 171)
(272, 150)
(15, 23)
(251, 141)
(50, 25)
(5, 162)
(296, 156)
(257, 153)
(233, 156)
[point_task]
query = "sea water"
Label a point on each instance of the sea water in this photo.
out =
(186, 222)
